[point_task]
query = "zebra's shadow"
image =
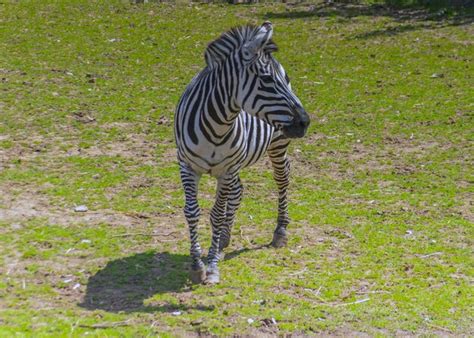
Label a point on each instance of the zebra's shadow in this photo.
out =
(125, 284)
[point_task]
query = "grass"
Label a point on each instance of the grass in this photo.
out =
(381, 194)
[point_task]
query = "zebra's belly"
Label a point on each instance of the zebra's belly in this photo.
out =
(216, 160)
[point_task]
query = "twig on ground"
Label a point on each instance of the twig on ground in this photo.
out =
(440, 328)
(298, 272)
(106, 325)
(431, 255)
(351, 303)
(318, 291)
(375, 291)
(243, 237)
(131, 234)
(137, 215)
(316, 294)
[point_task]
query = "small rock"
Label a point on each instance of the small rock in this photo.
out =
(76, 286)
(176, 313)
(67, 280)
(81, 208)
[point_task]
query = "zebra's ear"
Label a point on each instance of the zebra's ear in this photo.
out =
(258, 42)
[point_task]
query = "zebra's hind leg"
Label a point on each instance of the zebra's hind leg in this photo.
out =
(233, 203)
(281, 173)
(190, 180)
(218, 215)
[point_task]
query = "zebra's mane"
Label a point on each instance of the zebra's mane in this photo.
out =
(221, 48)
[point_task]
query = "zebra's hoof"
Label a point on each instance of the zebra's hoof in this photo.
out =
(212, 277)
(198, 276)
(279, 241)
(224, 243)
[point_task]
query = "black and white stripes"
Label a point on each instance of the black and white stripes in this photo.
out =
(239, 107)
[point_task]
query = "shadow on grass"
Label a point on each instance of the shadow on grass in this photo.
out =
(410, 18)
(124, 284)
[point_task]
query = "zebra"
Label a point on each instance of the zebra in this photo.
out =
(239, 107)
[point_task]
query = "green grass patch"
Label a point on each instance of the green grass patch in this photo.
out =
(381, 192)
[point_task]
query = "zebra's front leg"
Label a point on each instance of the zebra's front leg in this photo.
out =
(281, 174)
(190, 180)
(233, 203)
(218, 215)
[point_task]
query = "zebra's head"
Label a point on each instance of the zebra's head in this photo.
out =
(258, 83)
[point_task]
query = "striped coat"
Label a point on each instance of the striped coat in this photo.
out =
(237, 109)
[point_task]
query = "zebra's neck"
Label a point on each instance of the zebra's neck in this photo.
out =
(220, 110)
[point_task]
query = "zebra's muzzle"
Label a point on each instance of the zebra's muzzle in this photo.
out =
(299, 126)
